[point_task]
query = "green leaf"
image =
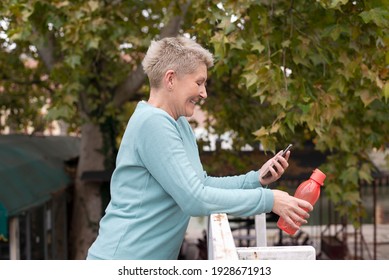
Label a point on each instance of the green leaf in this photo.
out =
(59, 112)
(338, 84)
(93, 43)
(290, 124)
(378, 15)
(365, 173)
(238, 44)
(350, 175)
(352, 197)
(219, 44)
(73, 60)
(251, 79)
(305, 108)
(257, 46)
(269, 144)
(333, 191)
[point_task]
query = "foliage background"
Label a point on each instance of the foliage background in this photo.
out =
(287, 71)
(303, 72)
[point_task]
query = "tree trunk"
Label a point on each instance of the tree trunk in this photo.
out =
(87, 204)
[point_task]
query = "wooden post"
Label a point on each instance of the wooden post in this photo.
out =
(221, 245)
(260, 230)
(14, 238)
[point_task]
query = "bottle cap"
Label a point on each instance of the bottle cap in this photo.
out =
(318, 176)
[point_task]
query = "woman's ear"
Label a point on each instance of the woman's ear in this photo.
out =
(169, 79)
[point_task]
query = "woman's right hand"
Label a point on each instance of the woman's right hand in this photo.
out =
(273, 169)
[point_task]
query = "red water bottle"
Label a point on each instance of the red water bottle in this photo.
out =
(308, 190)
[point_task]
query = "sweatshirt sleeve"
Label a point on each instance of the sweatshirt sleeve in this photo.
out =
(162, 151)
(249, 180)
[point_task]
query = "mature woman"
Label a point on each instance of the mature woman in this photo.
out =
(159, 181)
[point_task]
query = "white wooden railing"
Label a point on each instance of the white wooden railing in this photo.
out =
(221, 244)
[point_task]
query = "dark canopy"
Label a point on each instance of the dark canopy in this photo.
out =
(32, 168)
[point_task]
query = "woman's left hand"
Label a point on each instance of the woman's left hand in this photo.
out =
(276, 167)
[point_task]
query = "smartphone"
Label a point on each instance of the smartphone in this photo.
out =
(286, 149)
(267, 172)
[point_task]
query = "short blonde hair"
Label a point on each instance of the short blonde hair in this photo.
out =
(180, 54)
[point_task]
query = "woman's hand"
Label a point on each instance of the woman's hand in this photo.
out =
(276, 167)
(293, 210)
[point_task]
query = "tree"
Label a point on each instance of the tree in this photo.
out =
(290, 71)
(297, 71)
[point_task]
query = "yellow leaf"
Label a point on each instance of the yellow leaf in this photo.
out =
(386, 91)
(286, 44)
(61, 4)
(93, 5)
(26, 13)
(366, 97)
(261, 132)
(275, 128)
(379, 82)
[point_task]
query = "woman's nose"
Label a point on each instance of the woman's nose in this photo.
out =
(203, 93)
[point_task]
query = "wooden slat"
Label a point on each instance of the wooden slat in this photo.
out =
(221, 245)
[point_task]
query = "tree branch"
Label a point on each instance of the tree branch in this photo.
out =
(134, 81)
(36, 81)
(46, 50)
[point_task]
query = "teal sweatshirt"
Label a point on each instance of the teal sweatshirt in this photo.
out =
(159, 183)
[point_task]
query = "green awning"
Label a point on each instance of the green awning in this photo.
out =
(32, 168)
(3, 223)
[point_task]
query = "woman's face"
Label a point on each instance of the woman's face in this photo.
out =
(188, 90)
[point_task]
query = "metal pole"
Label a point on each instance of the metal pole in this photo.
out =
(28, 235)
(45, 240)
(374, 220)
